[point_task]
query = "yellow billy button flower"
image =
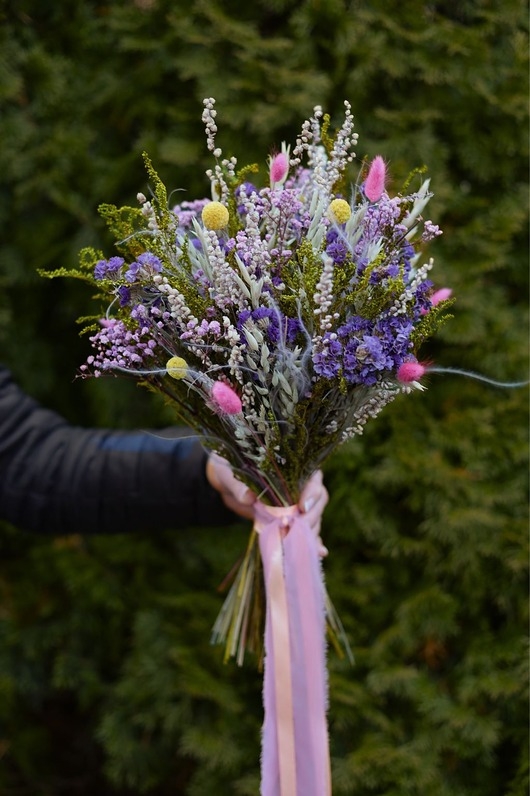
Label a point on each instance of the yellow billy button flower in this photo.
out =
(339, 211)
(177, 368)
(215, 216)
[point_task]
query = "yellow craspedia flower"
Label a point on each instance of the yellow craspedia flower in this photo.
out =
(177, 368)
(339, 210)
(215, 216)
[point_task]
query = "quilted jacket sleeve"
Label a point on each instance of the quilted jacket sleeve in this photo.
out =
(60, 479)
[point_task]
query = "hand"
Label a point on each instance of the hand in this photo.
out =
(234, 493)
(240, 499)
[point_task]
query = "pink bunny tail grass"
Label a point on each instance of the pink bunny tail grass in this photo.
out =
(279, 166)
(375, 181)
(442, 294)
(410, 371)
(226, 399)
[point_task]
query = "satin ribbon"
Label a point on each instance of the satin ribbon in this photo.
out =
(295, 746)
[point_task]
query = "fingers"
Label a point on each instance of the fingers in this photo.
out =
(241, 509)
(240, 499)
(322, 549)
(313, 500)
(235, 495)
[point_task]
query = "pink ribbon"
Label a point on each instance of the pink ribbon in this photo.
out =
(295, 746)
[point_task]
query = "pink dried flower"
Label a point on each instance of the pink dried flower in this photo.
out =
(226, 399)
(278, 168)
(410, 371)
(375, 182)
(441, 295)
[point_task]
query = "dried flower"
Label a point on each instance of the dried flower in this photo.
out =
(226, 399)
(278, 168)
(442, 294)
(410, 371)
(215, 216)
(339, 211)
(375, 181)
(177, 368)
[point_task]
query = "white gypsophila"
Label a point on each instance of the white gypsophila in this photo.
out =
(327, 170)
(302, 144)
(319, 163)
(235, 350)
(248, 397)
(219, 187)
(257, 255)
(341, 153)
(178, 308)
(229, 165)
(323, 297)
(376, 401)
(227, 286)
(236, 361)
(399, 307)
(208, 117)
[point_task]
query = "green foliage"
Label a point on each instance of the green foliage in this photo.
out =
(107, 682)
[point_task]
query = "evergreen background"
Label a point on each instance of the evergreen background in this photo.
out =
(108, 684)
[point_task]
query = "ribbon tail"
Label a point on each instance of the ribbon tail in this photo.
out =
(295, 746)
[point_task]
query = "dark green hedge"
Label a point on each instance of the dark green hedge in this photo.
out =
(107, 682)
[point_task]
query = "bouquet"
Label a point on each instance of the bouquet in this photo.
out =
(277, 320)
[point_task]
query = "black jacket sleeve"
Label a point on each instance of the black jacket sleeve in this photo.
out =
(59, 479)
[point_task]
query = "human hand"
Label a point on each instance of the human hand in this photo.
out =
(234, 493)
(240, 499)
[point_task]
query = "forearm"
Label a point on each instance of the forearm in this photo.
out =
(58, 479)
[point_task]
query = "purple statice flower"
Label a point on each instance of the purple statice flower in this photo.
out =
(143, 267)
(394, 332)
(151, 262)
(371, 347)
(327, 358)
(278, 327)
(336, 247)
(124, 295)
(108, 269)
(187, 211)
(242, 318)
